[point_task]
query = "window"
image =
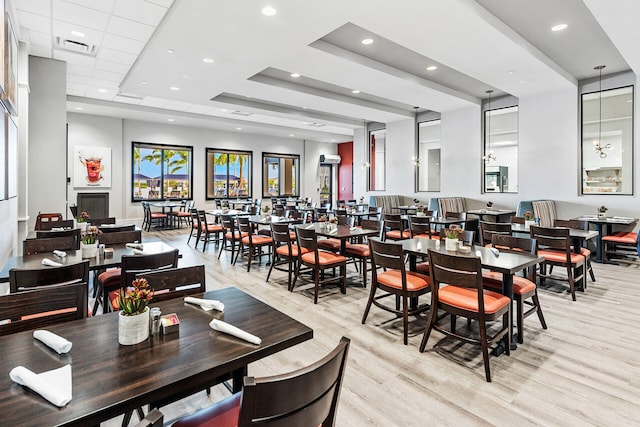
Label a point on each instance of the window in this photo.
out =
(377, 143)
(280, 175)
(161, 171)
(428, 156)
(500, 156)
(228, 173)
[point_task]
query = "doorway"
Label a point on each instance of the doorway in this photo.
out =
(326, 183)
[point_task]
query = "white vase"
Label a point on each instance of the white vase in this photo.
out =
(528, 224)
(133, 329)
(82, 226)
(89, 250)
(602, 215)
(451, 244)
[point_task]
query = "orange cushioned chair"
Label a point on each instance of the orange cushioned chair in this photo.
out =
(231, 236)
(252, 244)
(488, 229)
(207, 232)
(393, 227)
(585, 252)
(360, 251)
(284, 251)
(622, 243)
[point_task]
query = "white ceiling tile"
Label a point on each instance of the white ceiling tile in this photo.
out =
(95, 92)
(113, 67)
(106, 84)
(42, 51)
(32, 21)
(73, 13)
(37, 38)
(40, 7)
(106, 75)
(76, 91)
(122, 44)
(101, 5)
(63, 29)
(78, 79)
(140, 11)
(116, 56)
(74, 58)
(79, 70)
(151, 101)
(163, 3)
(127, 28)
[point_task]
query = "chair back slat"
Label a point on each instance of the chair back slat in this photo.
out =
(135, 264)
(488, 229)
(36, 246)
(551, 238)
(48, 225)
(392, 221)
(120, 237)
(112, 228)
(172, 283)
(280, 233)
(461, 271)
(75, 232)
(102, 221)
(22, 279)
(466, 236)
(420, 225)
(386, 255)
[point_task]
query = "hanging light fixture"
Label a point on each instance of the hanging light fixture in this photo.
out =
(598, 148)
(488, 157)
(365, 162)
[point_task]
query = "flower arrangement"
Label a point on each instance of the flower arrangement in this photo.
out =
(90, 237)
(420, 209)
(528, 216)
(323, 218)
(135, 299)
(603, 209)
(266, 209)
(452, 232)
(83, 217)
(489, 204)
(333, 220)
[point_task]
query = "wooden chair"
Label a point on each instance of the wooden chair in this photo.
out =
(621, 244)
(112, 228)
(152, 218)
(318, 213)
(172, 283)
(554, 244)
(40, 308)
(37, 246)
(464, 295)
(195, 226)
(208, 232)
(120, 237)
(305, 397)
(102, 221)
(396, 282)
(47, 217)
(523, 287)
(516, 220)
(48, 225)
(23, 279)
(374, 213)
(284, 251)
(74, 232)
(318, 261)
(420, 226)
(585, 252)
(252, 244)
(393, 228)
(183, 214)
(488, 229)
(360, 251)
(231, 236)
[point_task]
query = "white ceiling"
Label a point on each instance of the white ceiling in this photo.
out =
(477, 45)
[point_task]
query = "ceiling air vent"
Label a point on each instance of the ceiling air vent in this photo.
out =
(75, 46)
(315, 125)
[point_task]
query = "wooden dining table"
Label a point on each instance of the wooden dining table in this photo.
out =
(109, 379)
(604, 227)
(340, 232)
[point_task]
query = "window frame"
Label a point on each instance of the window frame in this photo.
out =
(210, 171)
(265, 190)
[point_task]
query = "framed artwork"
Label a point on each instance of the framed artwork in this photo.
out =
(11, 131)
(10, 96)
(91, 166)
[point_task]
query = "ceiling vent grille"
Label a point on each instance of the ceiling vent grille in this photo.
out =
(75, 46)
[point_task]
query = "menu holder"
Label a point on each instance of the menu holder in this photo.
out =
(170, 323)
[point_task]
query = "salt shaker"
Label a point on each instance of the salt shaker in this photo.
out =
(155, 320)
(101, 251)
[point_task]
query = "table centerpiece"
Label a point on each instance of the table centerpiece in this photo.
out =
(133, 318)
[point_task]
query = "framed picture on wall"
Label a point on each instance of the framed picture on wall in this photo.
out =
(10, 96)
(11, 132)
(91, 166)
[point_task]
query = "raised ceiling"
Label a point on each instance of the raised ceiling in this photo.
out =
(145, 57)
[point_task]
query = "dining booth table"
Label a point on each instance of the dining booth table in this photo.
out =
(604, 227)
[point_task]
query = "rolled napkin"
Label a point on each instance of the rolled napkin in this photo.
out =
(206, 304)
(54, 385)
(56, 342)
(57, 229)
(51, 263)
(220, 326)
(134, 246)
(60, 254)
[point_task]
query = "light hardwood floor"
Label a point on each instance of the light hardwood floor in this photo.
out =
(583, 370)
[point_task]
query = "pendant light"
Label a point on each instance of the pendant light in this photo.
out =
(488, 157)
(598, 148)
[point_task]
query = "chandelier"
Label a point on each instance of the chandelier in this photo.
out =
(597, 147)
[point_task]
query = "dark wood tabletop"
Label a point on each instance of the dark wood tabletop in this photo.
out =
(110, 379)
(341, 232)
(267, 220)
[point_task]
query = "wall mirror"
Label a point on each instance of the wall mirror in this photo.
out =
(377, 144)
(607, 141)
(428, 156)
(500, 156)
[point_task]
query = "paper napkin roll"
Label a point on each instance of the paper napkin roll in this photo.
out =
(54, 385)
(51, 263)
(56, 342)
(134, 245)
(61, 254)
(220, 326)
(206, 304)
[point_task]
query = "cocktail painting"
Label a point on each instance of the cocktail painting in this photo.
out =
(91, 166)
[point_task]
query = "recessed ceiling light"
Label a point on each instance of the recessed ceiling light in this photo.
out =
(102, 90)
(79, 108)
(224, 110)
(432, 68)
(143, 83)
(188, 76)
(174, 88)
(77, 33)
(295, 75)
(268, 11)
(291, 134)
(208, 60)
(333, 140)
(170, 51)
(511, 72)
(559, 27)
(355, 91)
(238, 128)
(170, 120)
(367, 41)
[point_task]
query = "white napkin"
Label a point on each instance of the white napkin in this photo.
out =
(54, 385)
(56, 342)
(220, 326)
(51, 263)
(134, 246)
(206, 304)
(57, 229)
(60, 254)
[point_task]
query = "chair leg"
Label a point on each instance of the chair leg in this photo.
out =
(572, 286)
(372, 294)
(316, 287)
(250, 255)
(536, 301)
(433, 318)
(405, 319)
(485, 350)
(343, 273)
(593, 276)
(520, 316)
(273, 262)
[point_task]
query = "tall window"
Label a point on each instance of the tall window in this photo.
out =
(228, 173)
(280, 175)
(161, 171)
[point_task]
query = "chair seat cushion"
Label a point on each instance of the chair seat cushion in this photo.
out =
(467, 299)
(213, 228)
(257, 240)
(622, 238)
(235, 236)
(329, 244)
(358, 249)
(558, 256)
(284, 250)
(324, 258)
(223, 413)
(423, 268)
(158, 215)
(415, 281)
(110, 278)
(398, 235)
(182, 214)
(521, 285)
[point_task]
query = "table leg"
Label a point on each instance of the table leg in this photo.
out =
(237, 377)
(599, 229)
(507, 289)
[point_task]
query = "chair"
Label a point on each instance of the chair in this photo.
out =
(374, 213)
(395, 281)
(318, 261)
(523, 287)
(278, 209)
(48, 225)
(284, 251)
(231, 236)
(420, 226)
(488, 229)
(621, 244)
(360, 251)
(183, 214)
(393, 229)
(39, 308)
(102, 221)
(120, 237)
(318, 213)
(464, 295)
(341, 203)
(585, 252)
(172, 283)
(74, 232)
(554, 244)
(117, 278)
(207, 232)
(516, 220)
(23, 279)
(36, 246)
(152, 218)
(305, 397)
(251, 244)
(47, 217)
(112, 228)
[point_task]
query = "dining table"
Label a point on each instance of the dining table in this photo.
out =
(109, 379)
(496, 215)
(578, 237)
(340, 232)
(439, 221)
(604, 227)
(507, 263)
